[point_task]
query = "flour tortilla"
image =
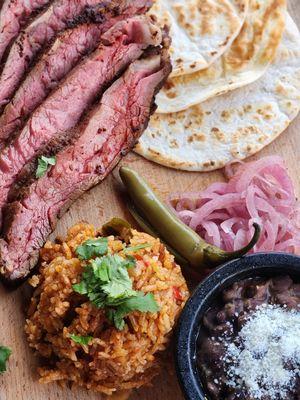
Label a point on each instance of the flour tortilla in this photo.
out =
(244, 62)
(201, 30)
(232, 126)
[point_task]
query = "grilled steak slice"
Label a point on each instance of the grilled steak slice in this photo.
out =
(65, 53)
(111, 130)
(14, 14)
(60, 15)
(64, 108)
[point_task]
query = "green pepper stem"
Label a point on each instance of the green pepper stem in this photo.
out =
(210, 252)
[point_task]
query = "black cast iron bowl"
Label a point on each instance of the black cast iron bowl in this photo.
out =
(257, 265)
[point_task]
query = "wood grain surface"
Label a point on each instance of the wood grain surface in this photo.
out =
(97, 206)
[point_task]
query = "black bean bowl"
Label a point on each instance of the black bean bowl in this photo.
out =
(256, 265)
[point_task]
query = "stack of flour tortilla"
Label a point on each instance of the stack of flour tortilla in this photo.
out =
(235, 84)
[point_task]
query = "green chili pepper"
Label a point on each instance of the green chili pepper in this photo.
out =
(165, 224)
(148, 229)
(116, 226)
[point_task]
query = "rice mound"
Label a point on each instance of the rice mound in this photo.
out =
(114, 360)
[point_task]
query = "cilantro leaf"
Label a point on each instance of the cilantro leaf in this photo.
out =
(80, 288)
(83, 340)
(107, 284)
(43, 164)
(92, 248)
(141, 302)
(116, 318)
(118, 282)
(5, 353)
(137, 248)
(101, 268)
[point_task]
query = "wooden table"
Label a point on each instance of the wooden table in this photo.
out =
(97, 206)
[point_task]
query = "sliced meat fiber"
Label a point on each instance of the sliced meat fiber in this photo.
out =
(65, 53)
(13, 16)
(60, 15)
(110, 132)
(63, 109)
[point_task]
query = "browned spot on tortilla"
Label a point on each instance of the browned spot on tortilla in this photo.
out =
(247, 108)
(241, 6)
(225, 41)
(219, 135)
(280, 89)
(196, 114)
(171, 94)
(245, 132)
(188, 124)
(169, 85)
(174, 144)
(154, 152)
(179, 65)
(235, 153)
(262, 138)
(196, 137)
(265, 112)
(225, 115)
(208, 164)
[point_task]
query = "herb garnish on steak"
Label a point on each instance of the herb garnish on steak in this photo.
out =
(43, 165)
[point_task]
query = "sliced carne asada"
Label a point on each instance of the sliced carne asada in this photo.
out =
(61, 111)
(60, 15)
(65, 53)
(110, 131)
(13, 16)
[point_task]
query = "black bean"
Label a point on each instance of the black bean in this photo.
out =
(213, 390)
(281, 284)
(250, 291)
(221, 317)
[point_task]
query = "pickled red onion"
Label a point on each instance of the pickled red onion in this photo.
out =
(259, 191)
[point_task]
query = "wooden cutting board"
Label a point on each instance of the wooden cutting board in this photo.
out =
(97, 206)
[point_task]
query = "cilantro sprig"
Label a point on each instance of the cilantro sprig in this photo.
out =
(106, 283)
(5, 353)
(140, 302)
(43, 164)
(92, 248)
(83, 340)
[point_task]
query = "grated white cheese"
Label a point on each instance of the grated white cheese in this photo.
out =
(257, 360)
